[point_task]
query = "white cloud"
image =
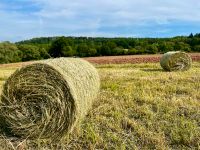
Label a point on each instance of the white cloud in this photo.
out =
(89, 17)
(128, 9)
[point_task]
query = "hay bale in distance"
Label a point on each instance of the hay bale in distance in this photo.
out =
(45, 100)
(176, 61)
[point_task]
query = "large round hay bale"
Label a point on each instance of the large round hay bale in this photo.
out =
(46, 99)
(175, 61)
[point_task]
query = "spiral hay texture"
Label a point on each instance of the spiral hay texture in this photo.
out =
(176, 61)
(45, 100)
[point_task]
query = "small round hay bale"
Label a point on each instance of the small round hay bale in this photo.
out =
(176, 61)
(45, 100)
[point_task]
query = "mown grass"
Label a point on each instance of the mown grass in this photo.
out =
(139, 107)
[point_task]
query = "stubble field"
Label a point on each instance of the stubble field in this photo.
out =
(139, 106)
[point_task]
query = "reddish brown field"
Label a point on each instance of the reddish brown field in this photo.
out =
(115, 59)
(133, 59)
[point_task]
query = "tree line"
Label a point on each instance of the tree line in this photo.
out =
(46, 47)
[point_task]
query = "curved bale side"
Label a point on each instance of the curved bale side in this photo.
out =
(176, 61)
(45, 100)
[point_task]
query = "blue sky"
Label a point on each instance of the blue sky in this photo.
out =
(25, 19)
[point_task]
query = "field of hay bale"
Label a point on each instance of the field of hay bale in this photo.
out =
(139, 106)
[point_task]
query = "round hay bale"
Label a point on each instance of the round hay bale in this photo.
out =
(45, 100)
(175, 61)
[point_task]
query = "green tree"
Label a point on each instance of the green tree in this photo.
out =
(29, 52)
(118, 51)
(197, 48)
(181, 46)
(68, 51)
(132, 43)
(123, 43)
(43, 53)
(9, 53)
(152, 49)
(60, 47)
(92, 52)
(111, 45)
(132, 51)
(191, 35)
(82, 50)
(140, 50)
(166, 47)
(194, 41)
(197, 35)
(105, 50)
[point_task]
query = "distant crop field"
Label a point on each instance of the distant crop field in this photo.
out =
(139, 106)
(133, 59)
(116, 59)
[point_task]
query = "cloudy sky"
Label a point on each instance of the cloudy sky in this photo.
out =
(25, 19)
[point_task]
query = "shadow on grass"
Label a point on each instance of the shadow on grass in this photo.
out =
(153, 70)
(3, 78)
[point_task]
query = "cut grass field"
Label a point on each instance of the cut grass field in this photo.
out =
(139, 107)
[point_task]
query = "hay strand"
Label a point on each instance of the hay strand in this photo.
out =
(176, 61)
(46, 99)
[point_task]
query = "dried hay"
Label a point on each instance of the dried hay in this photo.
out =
(175, 61)
(45, 100)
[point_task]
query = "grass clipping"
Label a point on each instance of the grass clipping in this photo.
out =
(176, 61)
(45, 100)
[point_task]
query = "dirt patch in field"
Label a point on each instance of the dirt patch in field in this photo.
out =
(114, 59)
(132, 59)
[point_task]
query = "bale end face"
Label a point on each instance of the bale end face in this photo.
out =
(176, 61)
(44, 100)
